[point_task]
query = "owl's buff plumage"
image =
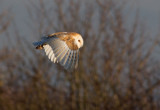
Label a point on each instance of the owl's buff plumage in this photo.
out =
(62, 47)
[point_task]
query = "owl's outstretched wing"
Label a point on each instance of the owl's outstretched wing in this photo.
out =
(58, 51)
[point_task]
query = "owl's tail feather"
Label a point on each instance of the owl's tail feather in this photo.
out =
(39, 44)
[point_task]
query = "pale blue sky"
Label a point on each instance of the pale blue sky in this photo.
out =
(149, 11)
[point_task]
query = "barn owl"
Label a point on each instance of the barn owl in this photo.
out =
(62, 47)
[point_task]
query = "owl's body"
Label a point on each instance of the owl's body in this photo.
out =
(62, 47)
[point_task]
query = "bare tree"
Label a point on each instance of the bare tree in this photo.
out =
(116, 68)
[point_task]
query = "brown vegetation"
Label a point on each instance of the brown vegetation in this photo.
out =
(116, 69)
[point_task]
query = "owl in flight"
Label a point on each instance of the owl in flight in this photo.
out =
(62, 47)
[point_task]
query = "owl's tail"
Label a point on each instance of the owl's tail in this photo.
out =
(39, 44)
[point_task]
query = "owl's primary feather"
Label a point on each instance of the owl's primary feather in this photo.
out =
(62, 47)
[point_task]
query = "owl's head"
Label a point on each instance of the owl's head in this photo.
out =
(78, 40)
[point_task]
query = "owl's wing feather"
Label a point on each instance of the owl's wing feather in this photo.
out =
(67, 60)
(77, 57)
(64, 61)
(68, 63)
(48, 49)
(52, 57)
(72, 60)
(58, 51)
(62, 56)
(49, 53)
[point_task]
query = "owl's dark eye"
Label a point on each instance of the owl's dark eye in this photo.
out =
(79, 41)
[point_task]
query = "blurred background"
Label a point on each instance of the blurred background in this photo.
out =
(118, 66)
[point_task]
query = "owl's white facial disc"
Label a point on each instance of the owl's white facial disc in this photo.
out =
(78, 41)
